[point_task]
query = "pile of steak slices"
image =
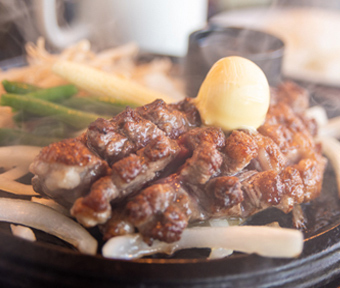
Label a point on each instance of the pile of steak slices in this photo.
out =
(155, 169)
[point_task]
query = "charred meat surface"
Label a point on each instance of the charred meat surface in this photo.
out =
(156, 169)
(66, 170)
(127, 175)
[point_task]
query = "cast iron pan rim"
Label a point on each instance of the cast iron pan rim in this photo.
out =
(315, 267)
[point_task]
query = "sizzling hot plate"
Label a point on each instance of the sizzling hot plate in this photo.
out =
(52, 263)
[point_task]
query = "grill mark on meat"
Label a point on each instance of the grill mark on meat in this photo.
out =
(124, 134)
(224, 193)
(128, 175)
(292, 95)
(239, 150)
(169, 119)
(195, 137)
(269, 155)
(132, 130)
(118, 224)
(214, 195)
(190, 111)
(162, 210)
(289, 132)
(204, 164)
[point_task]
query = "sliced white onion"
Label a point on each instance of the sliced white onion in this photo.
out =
(14, 173)
(52, 204)
(331, 129)
(17, 188)
(218, 223)
(262, 240)
(48, 220)
(218, 253)
(23, 232)
(18, 155)
(331, 149)
(17, 159)
(318, 113)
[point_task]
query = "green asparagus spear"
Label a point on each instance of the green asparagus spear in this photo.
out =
(53, 94)
(74, 118)
(109, 101)
(17, 137)
(92, 105)
(18, 87)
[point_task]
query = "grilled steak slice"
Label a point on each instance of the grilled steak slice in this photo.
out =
(289, 132)
(239, 150)
(128, 175)
(132, 130)
(124, 134)
(162, 210)
(174, 120)
(156, 170)
(292, 95)
(66, 170)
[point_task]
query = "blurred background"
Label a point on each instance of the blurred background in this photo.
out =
(307, 28)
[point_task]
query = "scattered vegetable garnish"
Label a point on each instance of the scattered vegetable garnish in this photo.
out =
(16, 87)
(23, 232)
(74, 118)
(16, 160)
(15, 136)
(100, 83)
(331, 148)
(53, 94)
(48, 220)
(280, 242)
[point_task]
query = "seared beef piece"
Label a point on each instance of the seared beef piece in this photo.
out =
(239, 150)
(310, 124)
(162, 210)
(118, 224)
(169, 118)
(269, 155)
(66, 170)
(292, 95)
(294, 185)
(118, 137)
(187, 107)
(94, 208)
(311, 172)
(222, 193)
(205, 182)
(264, 189)
(215, 181)
(195, 137)
(128, 175)
(289, 132)
(131, 130)
(204, 164)
(293, 190)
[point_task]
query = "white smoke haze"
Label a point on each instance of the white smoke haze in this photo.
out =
(323, 68)
(21, 14)
(25, 16)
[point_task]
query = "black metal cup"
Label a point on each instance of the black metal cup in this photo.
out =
(213, 43)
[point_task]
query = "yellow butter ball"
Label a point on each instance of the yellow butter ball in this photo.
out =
(234, 95)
